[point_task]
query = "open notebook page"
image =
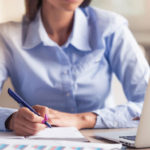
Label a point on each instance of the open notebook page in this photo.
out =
(59, 133)
(55, 133)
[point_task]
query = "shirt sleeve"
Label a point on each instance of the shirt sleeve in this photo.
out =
(4, 62)
(131, 68)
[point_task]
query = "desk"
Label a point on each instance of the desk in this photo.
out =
(88, 133)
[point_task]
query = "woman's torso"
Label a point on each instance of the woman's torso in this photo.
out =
(75, 77)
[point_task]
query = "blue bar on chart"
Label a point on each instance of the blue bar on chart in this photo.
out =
(44, 147)
(39, 147)
(78, 148)
(20, 147)
(3, 146)
(71, 148)
(56, 148)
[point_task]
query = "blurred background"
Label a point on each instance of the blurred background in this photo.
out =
(137, 13)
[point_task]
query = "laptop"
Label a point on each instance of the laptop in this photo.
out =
(137, 138)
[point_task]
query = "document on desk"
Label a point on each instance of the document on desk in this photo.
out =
(59, 133)
(26, 144)
(54, 133)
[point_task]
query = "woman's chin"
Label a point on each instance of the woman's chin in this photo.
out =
(72, 1)
(70, 7)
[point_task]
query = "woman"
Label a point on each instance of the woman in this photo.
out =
(62, 58)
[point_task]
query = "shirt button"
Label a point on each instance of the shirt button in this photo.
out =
(68, 94)
(65, 72)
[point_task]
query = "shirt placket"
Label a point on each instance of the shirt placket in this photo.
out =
(67, 82)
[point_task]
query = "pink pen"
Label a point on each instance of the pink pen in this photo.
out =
(45, 118)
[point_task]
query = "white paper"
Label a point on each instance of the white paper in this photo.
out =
(57, 133)
(13, 144)
(10, 135)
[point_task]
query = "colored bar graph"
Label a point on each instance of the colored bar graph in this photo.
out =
(3, 146)
(77, 148)
(44, 147)
(39, 147)
(57, 148)
(20, 147)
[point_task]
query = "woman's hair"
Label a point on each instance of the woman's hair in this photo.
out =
(32, 7)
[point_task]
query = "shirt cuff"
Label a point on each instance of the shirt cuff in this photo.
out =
(99, 121)
(4, 114)
(109, 120)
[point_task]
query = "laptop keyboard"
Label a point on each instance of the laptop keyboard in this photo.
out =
(132, 138)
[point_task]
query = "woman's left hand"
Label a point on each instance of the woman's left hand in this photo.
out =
(61, 119)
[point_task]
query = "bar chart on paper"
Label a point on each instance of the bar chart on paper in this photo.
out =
(28, 144)
(62, 148)
(42, 147)
(3, 146)
(13, 147)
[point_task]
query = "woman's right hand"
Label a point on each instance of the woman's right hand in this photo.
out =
(25, 123)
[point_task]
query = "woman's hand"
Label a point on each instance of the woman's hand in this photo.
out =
(25, 123)
(61, 119)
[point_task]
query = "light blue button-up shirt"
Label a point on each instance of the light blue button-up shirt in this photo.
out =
(75, 77)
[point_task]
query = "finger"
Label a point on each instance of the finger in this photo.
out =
(41, 110)
(23, 131)
(54, 114)
(44, 112)
(28, 127)
(20, 128)
(29, 115)
(32, 125)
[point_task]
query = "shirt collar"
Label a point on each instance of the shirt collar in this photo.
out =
(80, 32)
(34, 33)
(30, 34)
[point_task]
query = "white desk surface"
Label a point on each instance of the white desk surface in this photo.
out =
(88, 133)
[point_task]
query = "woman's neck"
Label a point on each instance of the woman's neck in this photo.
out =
(58, 23)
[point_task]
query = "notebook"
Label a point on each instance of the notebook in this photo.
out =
(54, 133)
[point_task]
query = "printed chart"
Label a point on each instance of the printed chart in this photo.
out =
(28, 144)
(42, 147)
